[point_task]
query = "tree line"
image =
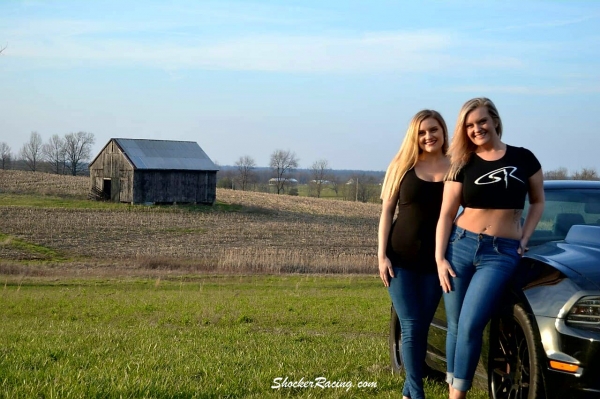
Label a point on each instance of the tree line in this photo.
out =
(563, 174)
(283, 176)
(69, 154)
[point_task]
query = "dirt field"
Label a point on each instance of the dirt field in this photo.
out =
(244, 232)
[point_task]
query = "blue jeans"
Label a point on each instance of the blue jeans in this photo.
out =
(415, 297)
(483, 265)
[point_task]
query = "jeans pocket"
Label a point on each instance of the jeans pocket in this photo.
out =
(505, 249)
(454, 236)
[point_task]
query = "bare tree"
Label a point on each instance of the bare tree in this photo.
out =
(282, 163)
(5, 155)
(262, 177)
(319, 171)
(31, 152)
(335, 182)
(557, 174)
(54, 154)
(245, 166)
(78, 150)
(586, 174)
(367, 188)
(361, 187)
(226, 179)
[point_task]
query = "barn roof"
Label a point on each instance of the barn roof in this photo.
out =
(165, 154)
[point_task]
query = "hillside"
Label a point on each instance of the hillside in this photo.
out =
(47, 226)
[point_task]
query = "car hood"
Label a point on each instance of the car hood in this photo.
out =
(577, 260)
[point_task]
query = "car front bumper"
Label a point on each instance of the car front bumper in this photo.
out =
(564, 344)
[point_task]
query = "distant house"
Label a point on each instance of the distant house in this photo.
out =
(153, 171)
(273, 181)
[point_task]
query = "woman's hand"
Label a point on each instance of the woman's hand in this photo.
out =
(385, 271)
(444, 271)
(522, 247)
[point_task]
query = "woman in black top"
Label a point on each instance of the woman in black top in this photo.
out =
(414, 185)
(479, 251)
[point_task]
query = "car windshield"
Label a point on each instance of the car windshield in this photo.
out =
(564, 208)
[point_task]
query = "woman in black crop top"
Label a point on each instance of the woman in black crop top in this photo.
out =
(414, 185)
(477, 253)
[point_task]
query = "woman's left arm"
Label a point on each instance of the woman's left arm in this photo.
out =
(536, 208)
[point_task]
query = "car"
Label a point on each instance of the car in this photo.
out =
(544, 339)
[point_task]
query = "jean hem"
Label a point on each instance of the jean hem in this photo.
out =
(461, 385)
(449, 378)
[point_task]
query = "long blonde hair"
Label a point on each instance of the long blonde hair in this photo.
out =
(407, 156)
(462, 147)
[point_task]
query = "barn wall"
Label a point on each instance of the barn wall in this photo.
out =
(112, 164)
(169, 186)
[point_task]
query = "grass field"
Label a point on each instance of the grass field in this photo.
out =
(102, 300)
(196, 336)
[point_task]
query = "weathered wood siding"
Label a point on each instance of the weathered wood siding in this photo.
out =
(174, 186)
(141, 186)
(112, 164)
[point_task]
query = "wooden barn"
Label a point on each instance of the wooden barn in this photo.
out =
(153, 172)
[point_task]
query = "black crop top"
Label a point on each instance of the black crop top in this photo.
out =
(411, 241)
(499, 184)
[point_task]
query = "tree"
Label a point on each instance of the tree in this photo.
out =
(282, 163)
(54, 153)
(319, 171)
(586, 174)
(335, 182)
(361, 187)
(78, 149)
(558, 174)
(245, 166)
(367, 188)
(31, 151)
(5, 155)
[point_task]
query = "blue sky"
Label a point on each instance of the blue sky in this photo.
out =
(334, 80)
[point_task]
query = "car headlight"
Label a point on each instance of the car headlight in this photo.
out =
(585, 312)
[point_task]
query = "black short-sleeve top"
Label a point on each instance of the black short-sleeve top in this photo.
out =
(411, 243)
(499, 184)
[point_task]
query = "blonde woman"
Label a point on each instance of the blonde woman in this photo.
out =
(478, 253)
(414, 185)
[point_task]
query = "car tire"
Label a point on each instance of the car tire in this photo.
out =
(396, 343)
(516, 357)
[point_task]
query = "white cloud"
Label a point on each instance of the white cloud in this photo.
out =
(68, 43)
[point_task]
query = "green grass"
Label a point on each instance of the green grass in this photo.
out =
(44, 253)
(205, 337)
(326, 192)
(49, 201)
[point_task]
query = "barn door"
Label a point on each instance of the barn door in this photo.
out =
(107, 188)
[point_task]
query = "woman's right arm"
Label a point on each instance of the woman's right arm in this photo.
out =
(450, 204)
(385, 224)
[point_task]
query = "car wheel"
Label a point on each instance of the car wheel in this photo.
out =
(515, 358)
(396, 343)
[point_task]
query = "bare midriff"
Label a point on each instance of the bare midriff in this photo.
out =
(504, 223)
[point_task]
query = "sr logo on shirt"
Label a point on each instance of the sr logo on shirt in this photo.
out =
(498, 175)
